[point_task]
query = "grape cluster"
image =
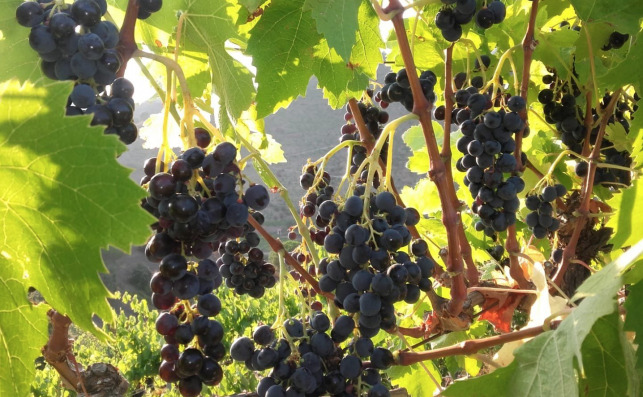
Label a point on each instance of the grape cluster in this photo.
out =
(319, 192)
(308, 361)
(541, 219)
(463, 93)
(113, 108)
(566, 115)
(200, 221)
(176, 285)
(398, 89)
(616, 41)
(373, 118)
(488, 145)
(246, 274)
(369, 273)
(147, 7)
(560, 108)
(74, 44)
(71, 40)
(450, 20)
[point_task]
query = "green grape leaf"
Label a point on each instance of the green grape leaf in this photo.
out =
(414, 138)
(623, 15)
(616, 134)
(598, 35)
(428, 45)
(253, 130)
(339, 81)
(337, 21)
(23, 63)
(414, 378)
(204, 59)
(366, 55)
(636, 130)
(419, 163)
(634, 318)
(23, 330)
(531, 372)
(626, 213)
(281, 46)
(490, 385)
(604, 357)
(342, 80)
(66, 197)
(423, 196)
(627, 71)
(251, 5)
(208, 27)
(544, 150)
(556, 49)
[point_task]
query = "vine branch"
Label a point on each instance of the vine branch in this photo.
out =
(528, 46)
(278, 247)
(437, 171)
(126, 43)
(446, 155)
(586, 192)
(473, 346)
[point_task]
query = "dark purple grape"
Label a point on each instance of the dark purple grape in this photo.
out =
(151, 5)
(257, 197)
(160, 284)
(209, 305)
(190, 387)
(485, 18)
(242, 349)
(263, 335)
(61, 24)
(382, 358)
(173, 266)
(170, 353)
(187, 287)
(350, 367)
(166, 323)
(86, 12)
(224, 153)
(29, 14)
(167, 372)
(203, 137)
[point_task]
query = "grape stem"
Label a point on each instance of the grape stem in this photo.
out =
(126, 43)
(368, 140)
(437, 171)
(586, 192)
(446, 155)
(278, 247)
(476, 53)
(528, 46)
(473, 346)
(589, 120)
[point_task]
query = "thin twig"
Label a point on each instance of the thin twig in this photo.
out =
(278, 247)
(472, 346)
